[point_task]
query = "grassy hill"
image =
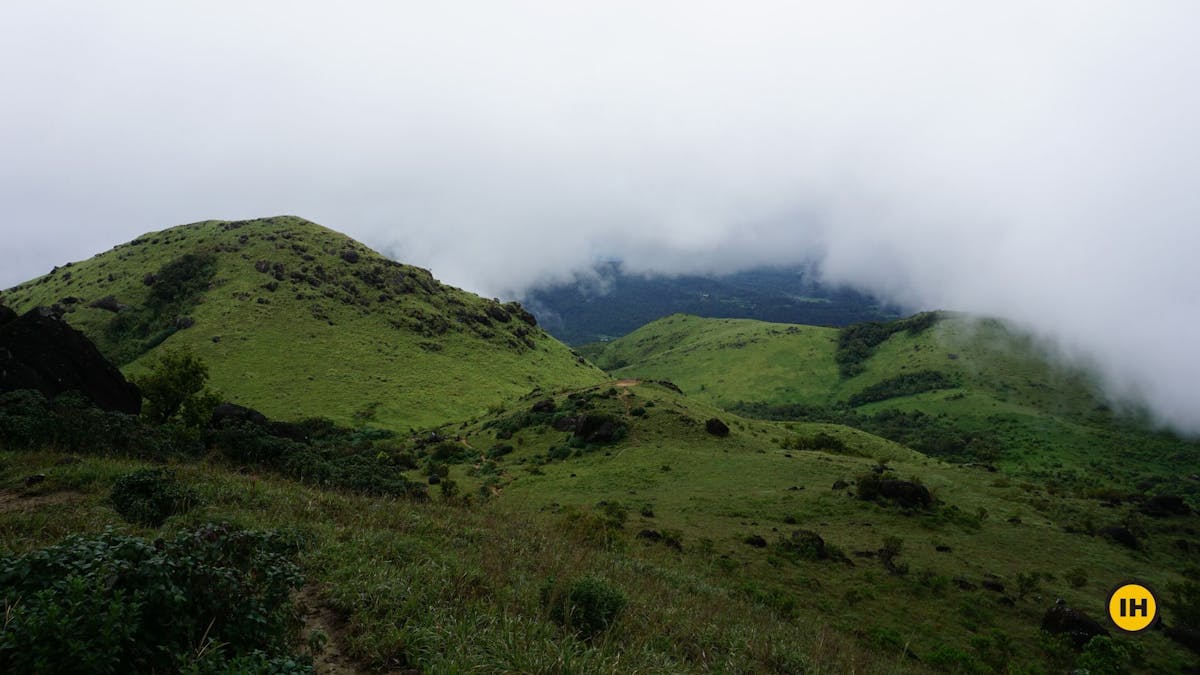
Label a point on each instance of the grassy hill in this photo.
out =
(952, 386)
(753, 551)
(298, 320)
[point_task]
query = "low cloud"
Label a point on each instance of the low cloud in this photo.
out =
(1030, 161)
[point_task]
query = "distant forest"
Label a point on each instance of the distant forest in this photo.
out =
(590, 311)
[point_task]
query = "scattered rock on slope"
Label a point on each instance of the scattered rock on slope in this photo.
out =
(716, 427)
(1063, 620)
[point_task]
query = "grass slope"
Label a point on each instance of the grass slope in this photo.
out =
(1040, 418)
(298, 320)
(457, 585)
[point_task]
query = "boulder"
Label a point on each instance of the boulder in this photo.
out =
(498, 313)
(108, 303)
(1079, 627)
(227, 414)
(756, 541)
(807, 544)
(716, 427)
(41, 351)
(903, 492)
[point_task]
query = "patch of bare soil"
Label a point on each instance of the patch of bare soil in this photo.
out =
(11, 501)
(319, 620)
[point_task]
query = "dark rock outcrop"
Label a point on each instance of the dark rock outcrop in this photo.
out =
(6, 315)
(716, 427)
(41, 351)
(227, 414)
(907, 494)
(807, 544)
(1079, 627)
(108, 303)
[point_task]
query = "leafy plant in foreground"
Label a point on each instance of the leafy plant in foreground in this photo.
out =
(114, 603)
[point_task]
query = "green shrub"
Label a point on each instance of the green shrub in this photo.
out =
(954, 660)
(1104, 655)
(26, 420)
(1077, 577)
(1183, 599)
(174, 390)
(906, 384)
(821, 441)
(149, 496)
(856, 343)
(499, 450)
(589, 605)
(116, 604)
(450, 452)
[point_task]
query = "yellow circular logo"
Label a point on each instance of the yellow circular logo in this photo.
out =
(1132, 607)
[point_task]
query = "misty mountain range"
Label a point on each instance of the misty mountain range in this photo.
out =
(610, 303)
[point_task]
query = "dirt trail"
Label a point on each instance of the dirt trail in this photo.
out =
(330, 660)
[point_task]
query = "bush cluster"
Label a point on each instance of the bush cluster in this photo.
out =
(589, 605)
(115, 604)
(327, 457)
(906, 384)
(149, 496)
(858, 342)
(820, 441)
(175, 289)
(314, 451)
(927, 434)
(71, 423)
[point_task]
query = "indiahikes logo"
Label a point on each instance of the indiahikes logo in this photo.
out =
(1133, 607)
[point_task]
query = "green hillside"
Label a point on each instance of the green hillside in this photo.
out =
(770, 479)
(953, 386)
(756, 551)
(298, 320)
(723, 361)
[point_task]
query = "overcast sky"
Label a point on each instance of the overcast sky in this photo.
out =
(1032, 160)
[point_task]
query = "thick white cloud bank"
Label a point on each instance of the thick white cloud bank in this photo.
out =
(1034, 161)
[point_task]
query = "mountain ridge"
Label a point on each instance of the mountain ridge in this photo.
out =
(265, 303)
